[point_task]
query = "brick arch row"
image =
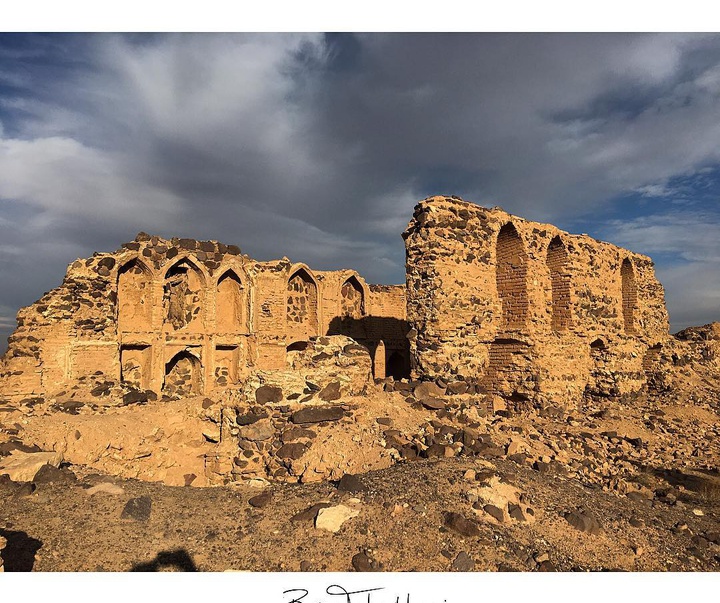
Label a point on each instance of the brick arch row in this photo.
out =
(185, 294)
(184, 297)
(511, 281)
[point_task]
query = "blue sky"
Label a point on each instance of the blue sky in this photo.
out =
(317, 147)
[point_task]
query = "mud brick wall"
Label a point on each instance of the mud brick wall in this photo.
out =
(516, 306)
(183, 317)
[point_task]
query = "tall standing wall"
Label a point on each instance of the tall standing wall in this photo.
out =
(525, 311)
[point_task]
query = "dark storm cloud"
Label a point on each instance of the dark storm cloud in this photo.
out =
(317, 147)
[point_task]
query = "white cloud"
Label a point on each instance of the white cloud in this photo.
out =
(63, 176)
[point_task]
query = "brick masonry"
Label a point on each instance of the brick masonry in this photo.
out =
(525, 311)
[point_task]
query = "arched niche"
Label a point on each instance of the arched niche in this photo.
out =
(297, 346)
(557, 264)
(230, 303)
(511, 278)
(629, 296)
(302, 305)
(184, 296)
(352, 299)
(183, 375)
(134, 297)
(598, 350)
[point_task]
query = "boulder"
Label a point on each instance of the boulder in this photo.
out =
(332, 518)
(428, 389)
(23, 466)
(461, 525)
(330, 392)
(137, 509)
(311, 512)
(361, 562)
(268, 394)
(48, 474)
(318, 414)
(463, 563)
(261, 500)
(106, 487)
(351, 483)
(258, 431)
(432, 403)
(291, 451)
(584, 522)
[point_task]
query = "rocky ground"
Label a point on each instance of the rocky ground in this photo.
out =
(613, 487)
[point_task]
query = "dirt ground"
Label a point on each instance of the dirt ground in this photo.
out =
(402, 525)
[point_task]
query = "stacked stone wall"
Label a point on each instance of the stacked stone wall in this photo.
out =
(513, 306)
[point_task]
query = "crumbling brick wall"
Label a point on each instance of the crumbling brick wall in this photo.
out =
(514, 306)
(183, 316)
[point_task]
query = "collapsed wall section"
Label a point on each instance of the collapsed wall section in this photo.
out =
(524, 310)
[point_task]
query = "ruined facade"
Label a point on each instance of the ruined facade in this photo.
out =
(525, 312)
(186, 317)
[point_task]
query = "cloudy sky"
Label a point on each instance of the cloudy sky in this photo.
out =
(318, 146)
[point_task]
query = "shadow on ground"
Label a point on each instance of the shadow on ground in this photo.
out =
(19, 553)
(177, 560)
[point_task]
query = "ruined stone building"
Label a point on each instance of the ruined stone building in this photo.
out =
(189, 317)
(521, 311)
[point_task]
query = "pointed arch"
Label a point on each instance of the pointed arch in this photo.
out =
(134, 296)
(511, 277)
(230, 313)
(557, 263)
(599, 351)
(629, 295)
(302, 305)
(183, 375)
(352, 298)
(184, 296)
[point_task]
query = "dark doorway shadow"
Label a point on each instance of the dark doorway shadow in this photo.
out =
(373, 328)
(178, 560)
(370, 330)
(19, 553)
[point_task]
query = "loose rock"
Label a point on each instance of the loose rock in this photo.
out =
(318, 414)
(261, 500)
(351, 483)
(137, 509)
(584, 522)
(332, 518)
(461, 525)
(462, 563)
